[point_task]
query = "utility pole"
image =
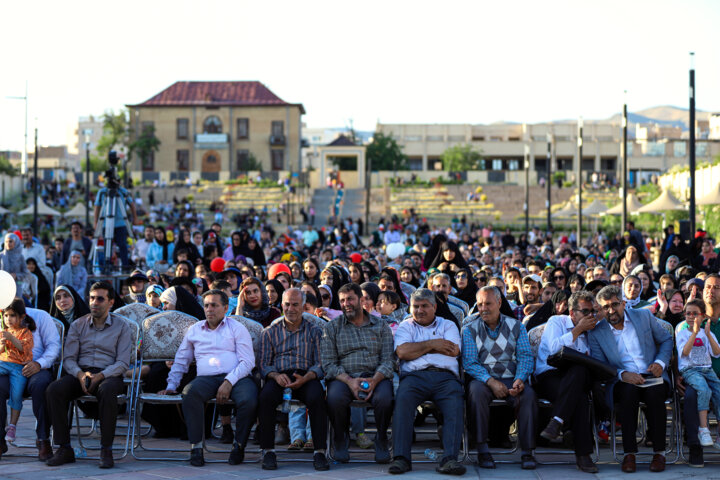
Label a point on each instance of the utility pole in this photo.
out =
(527, 190)
(692, 144)
(548, 170)
(623, 150)
(35, 186)
(579, 182)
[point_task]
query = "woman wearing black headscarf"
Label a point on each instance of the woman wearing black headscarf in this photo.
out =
(389, 273)
(235, 250)
(449, 253)
(252, 249)
(369, 272)
(184, 242)
(274, 290)
(434, 249)
(67, 305)
(466, 290)
(558, 305)
(44, 292)
(177, 298)
(671, 309)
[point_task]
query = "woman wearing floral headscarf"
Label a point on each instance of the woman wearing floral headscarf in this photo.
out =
(73, 273)
(253, 302)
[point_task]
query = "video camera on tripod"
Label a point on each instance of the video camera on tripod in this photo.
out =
(112, 207)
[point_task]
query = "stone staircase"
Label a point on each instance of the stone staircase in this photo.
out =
(323, 200)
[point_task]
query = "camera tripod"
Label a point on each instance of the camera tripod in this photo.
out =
(105, 228)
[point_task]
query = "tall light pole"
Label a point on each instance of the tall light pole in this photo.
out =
(623, 154)
(527, 190)
(23, 163)
(692, 144)
(35, 186)
(87, 177)
(579, 182)
(548, 170)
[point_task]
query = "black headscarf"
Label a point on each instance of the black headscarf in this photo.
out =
(668, 316)
(279, 289)
(432, 252)
(468, 293)
(187, 303)
(44, 294)
(193, 253)
(79, 309)
(547, 310)
(458, 259)
(395, 277)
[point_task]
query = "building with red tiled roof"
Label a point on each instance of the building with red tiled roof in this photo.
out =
(217, 131)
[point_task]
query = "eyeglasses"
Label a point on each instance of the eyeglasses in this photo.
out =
(611, 306)
(559, 277)
(694, 314)
(461, 275)
(481, 279)
(325, 297)
(616, 282)
(587, 311)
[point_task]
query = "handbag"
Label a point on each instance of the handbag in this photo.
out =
(567, 357)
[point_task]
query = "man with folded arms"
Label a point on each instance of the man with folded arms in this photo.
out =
(290, 358)
(222, 350)
(568, 388)
(428, 347)
(634, 342)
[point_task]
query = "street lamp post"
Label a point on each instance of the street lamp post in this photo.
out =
(623, 146)
(692, 144)
(35, 185)
(527, 190)
(87, 178)
(23, 163)
(579, 182)
(548, 169)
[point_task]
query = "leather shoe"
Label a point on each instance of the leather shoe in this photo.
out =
(237, 455)
(527, 462)
(106, 458)
(628, 463)
(320, 462)
(399, 466)
(196, 457)
(585, 464)
(62, 456)
(382, 452)
(658, 463)
(3, 446)
(485, 460)
(44, 450)
(269, 461)
(552, 431)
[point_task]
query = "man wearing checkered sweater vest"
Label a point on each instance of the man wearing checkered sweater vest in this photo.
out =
(497, 359)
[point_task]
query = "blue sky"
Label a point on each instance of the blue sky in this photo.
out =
(399, 61)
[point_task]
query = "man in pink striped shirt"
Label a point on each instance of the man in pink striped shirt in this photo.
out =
(222, 350)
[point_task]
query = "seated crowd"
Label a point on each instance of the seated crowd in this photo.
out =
(455, 326)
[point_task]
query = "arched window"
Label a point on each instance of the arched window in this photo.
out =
(212, 125)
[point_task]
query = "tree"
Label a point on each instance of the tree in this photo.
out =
(384, 153)
(116, 132)
(145, 145)
(461, 158)
(97, 164)
(6, 167)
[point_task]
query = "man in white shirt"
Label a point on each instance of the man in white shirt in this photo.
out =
(428, 347)
(634, 342)
(139, 252)
(223, 352)
(568, 388)
(30, 248)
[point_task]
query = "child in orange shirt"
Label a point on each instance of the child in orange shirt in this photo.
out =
(16, 348)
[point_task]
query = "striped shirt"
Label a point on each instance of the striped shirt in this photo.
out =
(282, 349)
(353, 350)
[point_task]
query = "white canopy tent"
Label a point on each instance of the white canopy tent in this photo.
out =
(633, 205)
(712, 198)
(567, 211)
(78, 211)
(43, 209)
(663, 203)
(595, 208)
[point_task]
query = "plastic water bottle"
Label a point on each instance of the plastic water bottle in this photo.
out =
(80, 452)
(431, 454)
(363, 395)
(99, 257)
(287, 396)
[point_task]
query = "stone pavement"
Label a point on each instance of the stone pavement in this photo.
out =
(25, 468)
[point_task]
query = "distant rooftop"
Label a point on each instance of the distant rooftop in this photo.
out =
(225, 94)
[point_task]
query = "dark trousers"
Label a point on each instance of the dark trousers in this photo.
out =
(446, 392)
(627, 398)
(35, 389)
(61, 392)
(690, 416)
(568, 390)
(120, 236)
(311, 394)
(203, 388)
(480, 396)
(339, 397)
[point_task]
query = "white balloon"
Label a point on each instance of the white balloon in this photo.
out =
(394, 250)
(8, 287)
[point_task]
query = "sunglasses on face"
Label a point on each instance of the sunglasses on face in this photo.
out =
(325, 297)
(461, 275)
(559, 277)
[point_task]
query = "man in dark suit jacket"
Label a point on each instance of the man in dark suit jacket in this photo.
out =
(634, 342)
(74, 241)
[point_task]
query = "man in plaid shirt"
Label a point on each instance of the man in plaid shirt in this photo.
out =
(357, 352)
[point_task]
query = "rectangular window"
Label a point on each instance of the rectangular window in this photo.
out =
(183, 160)
(241, 163)
(148, 164)
(278, 158)
(679, 149)
(588, 164)
(243, 128)
(278, 128)
(183, 128)
(147, 126)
